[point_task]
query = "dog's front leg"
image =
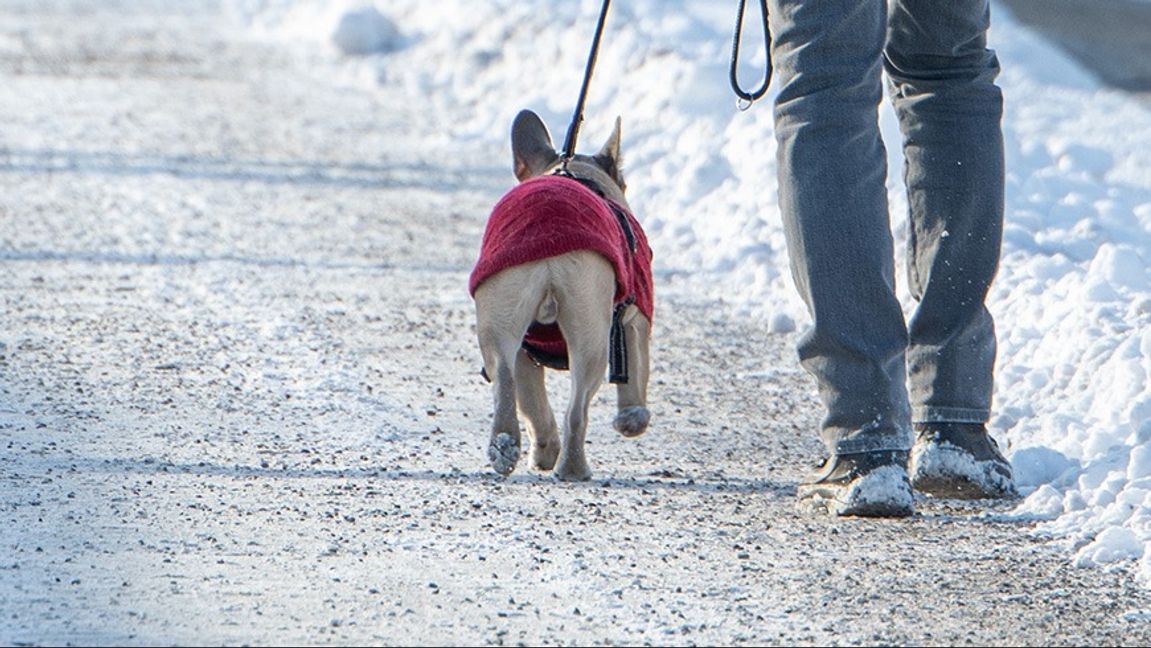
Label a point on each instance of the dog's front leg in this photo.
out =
(633, 416)
(532, 396)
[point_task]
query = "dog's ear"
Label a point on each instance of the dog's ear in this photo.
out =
(609, 156)
(532, 148)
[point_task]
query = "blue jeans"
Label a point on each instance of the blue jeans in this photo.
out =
(877, 373)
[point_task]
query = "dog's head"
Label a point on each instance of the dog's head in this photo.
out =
(535, 155)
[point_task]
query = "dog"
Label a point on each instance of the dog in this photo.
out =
(563, 278)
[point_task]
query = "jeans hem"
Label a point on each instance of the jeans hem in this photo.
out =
(932, 414)
(878, 443)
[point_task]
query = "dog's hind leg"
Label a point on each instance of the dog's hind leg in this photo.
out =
(633, 416)
(505, 306)
(532, 396)
(584, 286)
(499, 362)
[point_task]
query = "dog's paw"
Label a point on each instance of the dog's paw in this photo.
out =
(573, 470)
(632, 421)
(544, 456)
(504, 453)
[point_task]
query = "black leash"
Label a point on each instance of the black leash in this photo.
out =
(747, 98)
(577, 119)
(617, 345)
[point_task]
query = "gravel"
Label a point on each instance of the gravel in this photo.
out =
(240, 401)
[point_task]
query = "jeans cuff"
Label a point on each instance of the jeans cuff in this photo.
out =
(884, 442)
(933, 414)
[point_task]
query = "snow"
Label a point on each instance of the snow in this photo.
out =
(884, 489)
(365, 31)
(1073, 297)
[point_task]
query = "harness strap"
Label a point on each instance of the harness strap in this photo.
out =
(624, 224)
(617, 346)
(543, 358)
(617, 341)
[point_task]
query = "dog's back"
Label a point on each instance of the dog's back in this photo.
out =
(552, 215)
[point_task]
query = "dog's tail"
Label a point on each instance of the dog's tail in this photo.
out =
(548, 310)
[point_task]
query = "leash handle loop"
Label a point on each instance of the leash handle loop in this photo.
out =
(745, 98)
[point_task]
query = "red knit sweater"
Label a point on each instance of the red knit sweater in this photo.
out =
(553, 215)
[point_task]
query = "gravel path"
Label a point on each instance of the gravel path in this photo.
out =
(239, 401)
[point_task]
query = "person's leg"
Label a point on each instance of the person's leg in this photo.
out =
(832, 172)
(943, 88)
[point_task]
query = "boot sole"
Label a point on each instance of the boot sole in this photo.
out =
(951, 488)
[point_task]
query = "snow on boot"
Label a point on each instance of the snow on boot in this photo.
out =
(959, 461)
(866, 484)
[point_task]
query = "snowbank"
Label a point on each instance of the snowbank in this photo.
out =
(1073, 299)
